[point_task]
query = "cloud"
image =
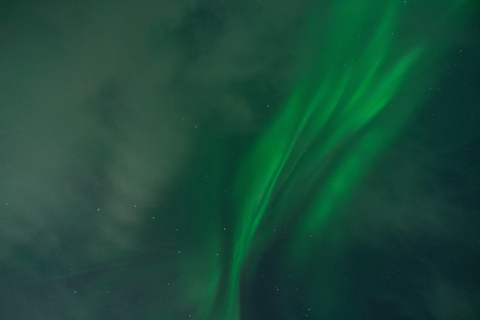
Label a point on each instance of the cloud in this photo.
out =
(102, 106)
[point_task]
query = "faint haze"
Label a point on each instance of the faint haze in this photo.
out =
(101, 105)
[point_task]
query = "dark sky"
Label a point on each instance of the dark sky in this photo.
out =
(239, 160)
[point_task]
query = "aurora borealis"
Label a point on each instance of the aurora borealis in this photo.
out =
(260, 160)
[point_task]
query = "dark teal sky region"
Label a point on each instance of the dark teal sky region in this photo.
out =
(240, 160)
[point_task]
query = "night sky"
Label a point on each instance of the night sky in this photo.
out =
(240, 160)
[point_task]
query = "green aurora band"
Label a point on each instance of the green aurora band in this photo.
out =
(366, 78)
(362, 72)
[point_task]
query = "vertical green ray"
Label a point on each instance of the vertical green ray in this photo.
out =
(350, 105)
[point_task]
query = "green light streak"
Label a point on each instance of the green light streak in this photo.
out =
(338, 120)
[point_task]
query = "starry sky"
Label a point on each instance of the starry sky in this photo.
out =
(242, 160)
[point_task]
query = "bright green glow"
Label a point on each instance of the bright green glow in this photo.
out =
(337, 121)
